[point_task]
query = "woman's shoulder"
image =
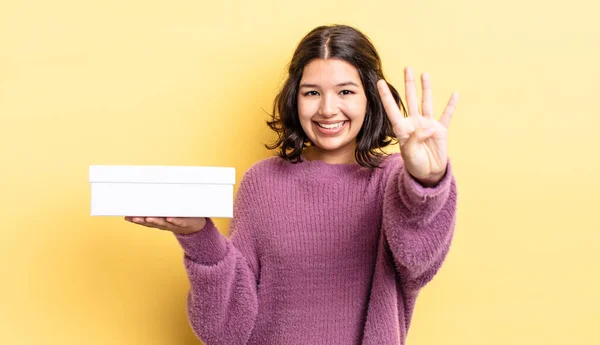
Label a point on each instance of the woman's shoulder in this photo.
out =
(265, 167)
(391, 158)
(391, 161)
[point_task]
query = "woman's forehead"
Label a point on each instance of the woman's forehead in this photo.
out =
(330, 72)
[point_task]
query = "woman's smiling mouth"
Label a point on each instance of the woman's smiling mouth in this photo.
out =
(330, 128)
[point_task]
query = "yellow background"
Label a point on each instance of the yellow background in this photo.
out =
(190, 82)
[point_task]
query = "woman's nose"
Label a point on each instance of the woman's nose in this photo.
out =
(328, 106)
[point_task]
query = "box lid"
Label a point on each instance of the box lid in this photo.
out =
(161, 174)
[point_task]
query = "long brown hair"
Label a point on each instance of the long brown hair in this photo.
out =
(348, 44)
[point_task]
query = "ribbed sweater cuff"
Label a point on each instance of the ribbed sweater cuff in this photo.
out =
(419, 194)
(207, 246)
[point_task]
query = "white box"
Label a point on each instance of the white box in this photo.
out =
(161, 191)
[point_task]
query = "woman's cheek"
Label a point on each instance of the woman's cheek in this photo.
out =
(306, 108)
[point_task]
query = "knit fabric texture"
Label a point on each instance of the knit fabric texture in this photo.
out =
(319, 253)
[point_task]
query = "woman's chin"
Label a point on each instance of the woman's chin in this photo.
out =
(333, 146)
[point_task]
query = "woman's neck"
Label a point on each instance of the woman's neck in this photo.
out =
(342, 156)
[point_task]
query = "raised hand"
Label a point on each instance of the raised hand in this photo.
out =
(182, 226)
(423, 140)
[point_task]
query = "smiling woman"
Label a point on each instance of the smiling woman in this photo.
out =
(333, 79)
(331, 241)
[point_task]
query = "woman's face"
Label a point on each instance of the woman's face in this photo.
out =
(331, 106)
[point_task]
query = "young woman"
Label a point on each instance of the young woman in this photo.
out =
(331, 240)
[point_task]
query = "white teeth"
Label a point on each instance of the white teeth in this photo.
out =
(331, 125)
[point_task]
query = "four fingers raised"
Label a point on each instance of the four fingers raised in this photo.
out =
(401, 126)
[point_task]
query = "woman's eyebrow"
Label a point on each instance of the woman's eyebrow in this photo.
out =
(340, 84)
(348, 83)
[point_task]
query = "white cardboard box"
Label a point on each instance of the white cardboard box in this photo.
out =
(161, 191)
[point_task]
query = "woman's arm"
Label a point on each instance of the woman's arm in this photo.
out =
(418, 223)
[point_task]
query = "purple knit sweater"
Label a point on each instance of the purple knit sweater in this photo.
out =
(319, 253)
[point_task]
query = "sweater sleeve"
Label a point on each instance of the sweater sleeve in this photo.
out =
(223, 273)
(418, 223)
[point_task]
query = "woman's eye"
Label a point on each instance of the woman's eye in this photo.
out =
(311, 93)
(346, 92)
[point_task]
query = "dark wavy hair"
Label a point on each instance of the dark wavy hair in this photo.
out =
(348, 44)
